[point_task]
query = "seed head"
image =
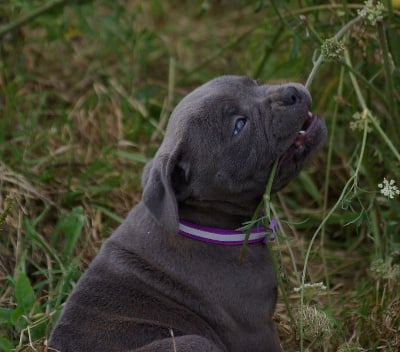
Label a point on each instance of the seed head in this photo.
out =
(317, 325)
(350, 347)
(332, 49)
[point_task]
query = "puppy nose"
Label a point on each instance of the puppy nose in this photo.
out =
(295, 94)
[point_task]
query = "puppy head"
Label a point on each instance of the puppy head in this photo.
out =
(221, 142)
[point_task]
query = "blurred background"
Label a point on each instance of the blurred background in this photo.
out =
(86, 89)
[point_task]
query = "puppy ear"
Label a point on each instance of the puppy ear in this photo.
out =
(180, 179)
(163, 179)
(146, 173)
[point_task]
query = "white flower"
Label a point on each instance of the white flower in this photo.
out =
(317, 286)
(373, 13)
(388, 188)
(385, 269)
(359, 122)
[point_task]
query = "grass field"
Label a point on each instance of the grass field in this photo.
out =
(86, 89)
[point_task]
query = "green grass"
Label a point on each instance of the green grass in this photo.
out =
(85, 91)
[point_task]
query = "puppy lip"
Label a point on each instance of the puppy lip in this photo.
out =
(305, 129)
(307, 139)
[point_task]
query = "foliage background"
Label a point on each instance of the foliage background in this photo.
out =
(86, 89)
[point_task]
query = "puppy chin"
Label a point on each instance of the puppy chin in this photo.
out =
(286, 172)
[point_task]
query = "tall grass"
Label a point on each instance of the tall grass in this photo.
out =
(85, 92)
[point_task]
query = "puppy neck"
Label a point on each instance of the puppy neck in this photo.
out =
(211, 217)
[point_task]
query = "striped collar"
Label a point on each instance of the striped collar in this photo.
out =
(223, 236)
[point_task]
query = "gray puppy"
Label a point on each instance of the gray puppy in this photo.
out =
(150, 280)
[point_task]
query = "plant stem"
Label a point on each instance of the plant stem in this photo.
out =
(36, 13)
(328, 168)
(267, 194)
(314, 70)
(351, 182)
(280, 282)
(383, 135)
(267, 52)
(367, 83)
(267, 208)
(388, 70)
(338, 35)
(292, 257)
(267, 218)
(256, 214)
(363, 105)
(353, 79)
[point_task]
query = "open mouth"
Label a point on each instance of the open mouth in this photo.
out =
(309, 138)
(305, 129)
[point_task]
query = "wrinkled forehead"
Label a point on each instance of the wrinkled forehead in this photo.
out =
(218, 94)
(230, 82)
(230, 87)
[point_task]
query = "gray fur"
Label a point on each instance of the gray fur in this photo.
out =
(147, 280)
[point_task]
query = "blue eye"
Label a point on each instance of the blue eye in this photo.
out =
(239, 124)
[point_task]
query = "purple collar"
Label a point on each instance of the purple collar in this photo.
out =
(221, 236)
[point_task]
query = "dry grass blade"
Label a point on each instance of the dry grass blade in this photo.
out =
(20, 185)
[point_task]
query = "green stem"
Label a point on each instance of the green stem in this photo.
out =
(387, 62)
(267, 194)
(384, 136)
(314, 71)
(267, 219)
(278, 13)
(365, 119)
(255, 216)
(280, 17)
(338, 35)
(36, 13)
(363, 105)
(280, 282)
(388, 70)
(267, 52)
(328, 169)
(314, 33)
(356, 86)
(351, 182)
(367, 83)
(266, 202)
(291, 254)
(218, 53)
